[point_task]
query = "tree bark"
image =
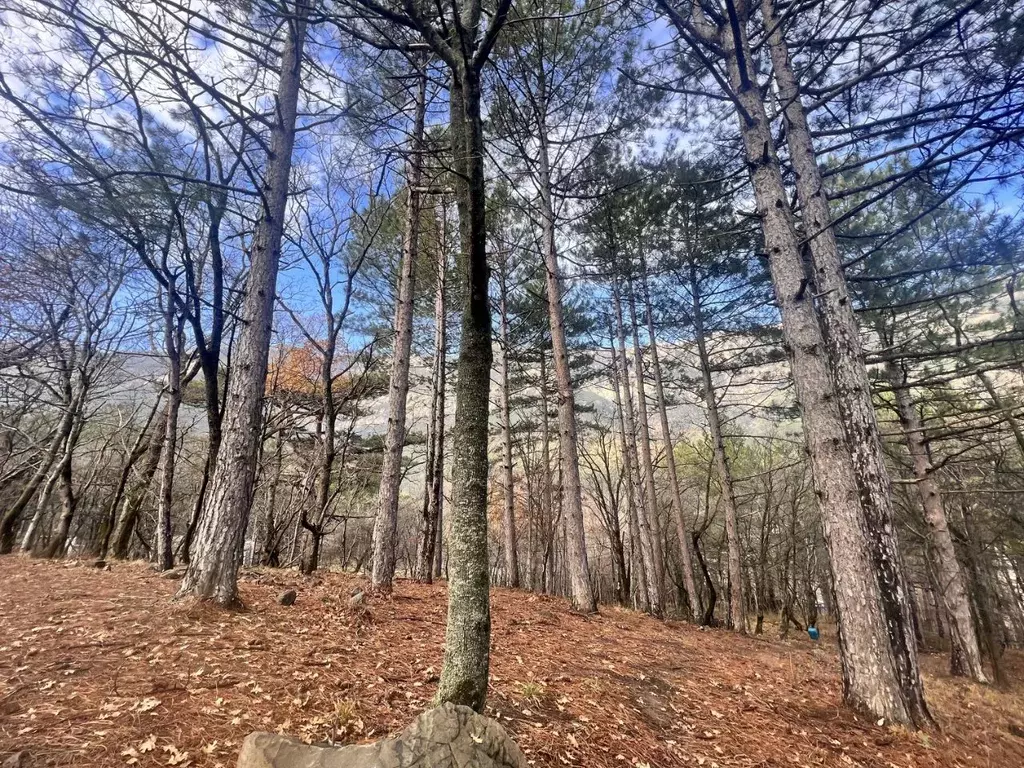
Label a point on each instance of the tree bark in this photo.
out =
(852, 390)
(581, 591)
(650, 489)
(59, 539)
(9, 522)
(952, 584)
(992, 633)
(385, 528)
(58, 447)
(635, 582)
(547, 491)
(509, 503)
(737, 608)
(212, 574)
(127, 519)
(468, 631)
(685, 545)
(640, 532)
(60, 477)
(433, 491)
(172, 346)
(137, 451)
(880, 674)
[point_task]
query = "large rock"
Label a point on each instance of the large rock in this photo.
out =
(449, 736)
(17, 760)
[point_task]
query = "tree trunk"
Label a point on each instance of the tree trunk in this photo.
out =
(59, 540)
(126, 521)
(9, 522)
(789, 570)
(172, 343)
(988, 616)
(28, 539)
(467, 635)
(270, 550)
(137, 451)
(433, 495)
(643, 506)
(851, 388)
(650, 489)
(880, 673)
(952, 585)
(581, 592)
(59, 477)
(709, 610)
(639, 573)
(737, 609)
(685, 545)
(547, 492)
(213, 572)
(47, 471)
(509, 506)
(385, 527)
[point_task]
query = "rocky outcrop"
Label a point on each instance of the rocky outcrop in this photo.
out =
(448, 736)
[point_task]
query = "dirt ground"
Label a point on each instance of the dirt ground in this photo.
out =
(99, 668)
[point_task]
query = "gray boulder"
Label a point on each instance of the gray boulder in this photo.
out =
(287, 597)
(17, 760)
(448, 736)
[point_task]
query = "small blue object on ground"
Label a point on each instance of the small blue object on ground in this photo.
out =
(812, 632)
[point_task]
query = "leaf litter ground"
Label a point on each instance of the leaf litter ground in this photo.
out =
(100, 668)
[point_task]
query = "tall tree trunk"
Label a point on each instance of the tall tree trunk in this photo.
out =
(650, 489)
(761, 591)
(639, 587)
(618, 551)
(643, 506)
(509, 505)
(952, 585)
(880, 672)
(385, 527)
(849, 376)
(468, 632)
(172, 343)
(209, 464)
(213, 572)
(210, 364)
(547, 491)
(581, 592)
(433, 491)
(685, 545)
(737, 608)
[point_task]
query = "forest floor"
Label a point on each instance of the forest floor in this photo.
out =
(99, 668)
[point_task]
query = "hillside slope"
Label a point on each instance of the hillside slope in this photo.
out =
(98, 668)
